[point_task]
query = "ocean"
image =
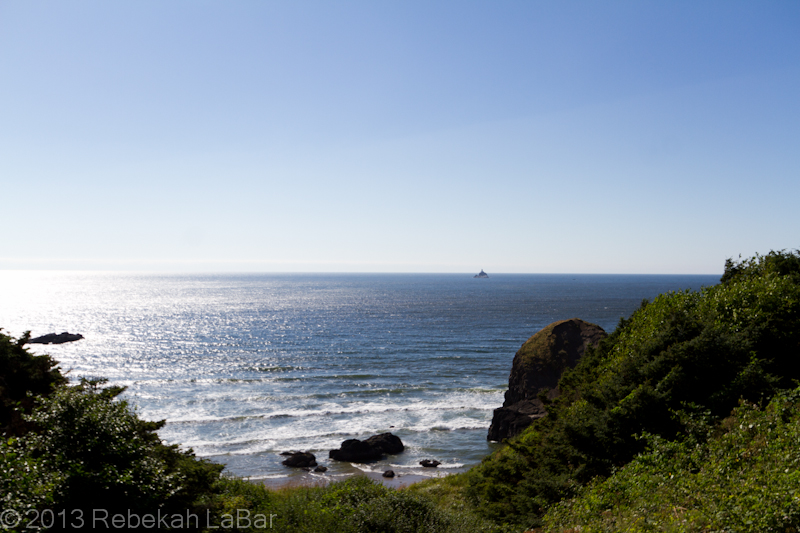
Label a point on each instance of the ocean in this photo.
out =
(245, 366)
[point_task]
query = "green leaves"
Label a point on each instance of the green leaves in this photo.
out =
(23, 378)
(781, 263)
(98, 446)
(25, 482)
(357, 505)
(746, 478)
(79, 446)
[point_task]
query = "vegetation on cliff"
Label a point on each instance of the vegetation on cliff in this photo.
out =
(674, 370)
(745, 477)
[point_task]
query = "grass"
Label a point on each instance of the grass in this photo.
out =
(745, 478)
(353, 506)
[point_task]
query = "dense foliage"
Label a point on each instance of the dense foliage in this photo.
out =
(357, 505)
(81, 448)
(679, 365)
(23, 378)
(745, 478)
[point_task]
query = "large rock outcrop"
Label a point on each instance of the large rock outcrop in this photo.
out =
(536, 369)
(371, 449)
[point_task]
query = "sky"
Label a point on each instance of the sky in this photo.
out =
(414, 136)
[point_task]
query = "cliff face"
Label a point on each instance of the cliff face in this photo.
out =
(537, 366)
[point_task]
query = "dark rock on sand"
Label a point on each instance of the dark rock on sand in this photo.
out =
(356, 451)
(371, 449)
(388, 473)
(536, 369)
(60, 338)
(300, 459)
(387, 442)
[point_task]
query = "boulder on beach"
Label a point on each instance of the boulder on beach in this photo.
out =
(371, 449)
(536, 369)
(53, 338)
(388, 473)
(299, 459)
(387, 442)
(356, 451)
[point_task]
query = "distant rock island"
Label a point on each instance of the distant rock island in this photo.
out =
(481, 274)
(536, 369)
(53, 338)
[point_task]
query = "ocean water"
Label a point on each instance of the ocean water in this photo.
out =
(243, 367)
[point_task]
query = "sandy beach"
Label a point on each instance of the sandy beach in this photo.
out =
(308, 479)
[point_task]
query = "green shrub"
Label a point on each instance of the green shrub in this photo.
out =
(100, 450)
(26, 485)
(81, 448)
(23, 378)
(357, 505)
(746, 478)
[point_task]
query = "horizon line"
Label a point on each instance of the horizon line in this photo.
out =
(354, 272)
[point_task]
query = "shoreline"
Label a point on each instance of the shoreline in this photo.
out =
(309, 480)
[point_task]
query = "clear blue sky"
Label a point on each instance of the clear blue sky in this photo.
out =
(414, 136)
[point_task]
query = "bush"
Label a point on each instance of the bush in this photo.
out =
(23, 378)
(745, 478)
(101, 451)
(81, 448)
(357, 505)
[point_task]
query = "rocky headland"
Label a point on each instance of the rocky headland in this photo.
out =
(536, 369)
